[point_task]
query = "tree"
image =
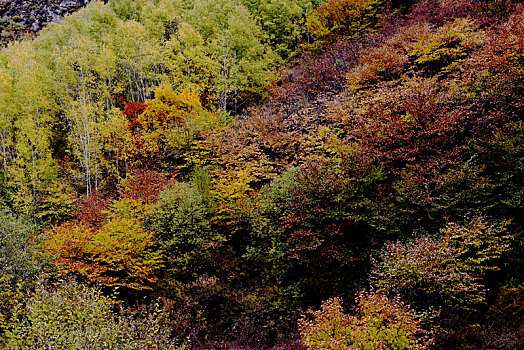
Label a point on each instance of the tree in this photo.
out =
(120, 253)
(340, 17)
(182, 224)
(237, 61)
(282, 21)
(27, 112)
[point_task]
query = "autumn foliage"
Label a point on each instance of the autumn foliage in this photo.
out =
(235, 163)
(380, 323)
(119, 254)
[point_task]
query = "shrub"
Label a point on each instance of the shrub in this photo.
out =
(380, 323)
(120, 253)
(181, 222)
(425, 272)
(145, 185)
(21, 263)
(442, 273)
(92, 209)
(74, 316)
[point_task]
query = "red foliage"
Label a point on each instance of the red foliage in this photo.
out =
(313, 75)
(439, 12)
(92, 207)
(119, 100)
(145, 185)
(410, 127)
(132, 110)
(508, 311)
(424, 118)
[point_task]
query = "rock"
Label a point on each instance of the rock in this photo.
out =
(20, 18)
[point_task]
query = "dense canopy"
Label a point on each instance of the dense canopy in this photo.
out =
(264, 174)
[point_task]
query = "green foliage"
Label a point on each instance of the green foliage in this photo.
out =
(181, 222)
(274, 196)
(175, 127)
(27, 111)
(21, 263)
(70, 75)
(269, 246)
(480, 244)
(75, 316)
(342, 17)
(392, 125)
(443, 273)
(380, 323)
(313, 224)
(283, 22)
(267, 249)
(57, 206)
(426, 273)
(220, 51)
(490, 183)
(201, 181)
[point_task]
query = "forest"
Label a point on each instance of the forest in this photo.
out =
(265, 174)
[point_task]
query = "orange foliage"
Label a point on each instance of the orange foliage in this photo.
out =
(145, 185)
(338, 16)
(381, 323)
(118, 254)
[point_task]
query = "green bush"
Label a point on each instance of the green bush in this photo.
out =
(21, 263)
(182, 226)
(74, 316)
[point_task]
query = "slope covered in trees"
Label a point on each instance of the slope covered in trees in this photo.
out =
(206, 174)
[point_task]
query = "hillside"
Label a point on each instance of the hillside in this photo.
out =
(265, 174)
(22, 18)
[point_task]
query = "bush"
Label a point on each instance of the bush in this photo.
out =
(442, 273)
(380, 323)
(21, 262)
(74, 316)
(181, 222)
(119, 254)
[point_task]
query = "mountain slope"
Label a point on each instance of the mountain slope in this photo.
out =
(26, 18)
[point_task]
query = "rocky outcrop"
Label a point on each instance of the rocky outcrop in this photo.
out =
(25, 17)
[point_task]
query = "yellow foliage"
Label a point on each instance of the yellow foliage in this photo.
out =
(174, 119)
(233, 195)
(69, 240)
(128, 208)
(343, 14)
(420, 43)
(451, 41)
(118, 254)
(123, 247)
(169, 108)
